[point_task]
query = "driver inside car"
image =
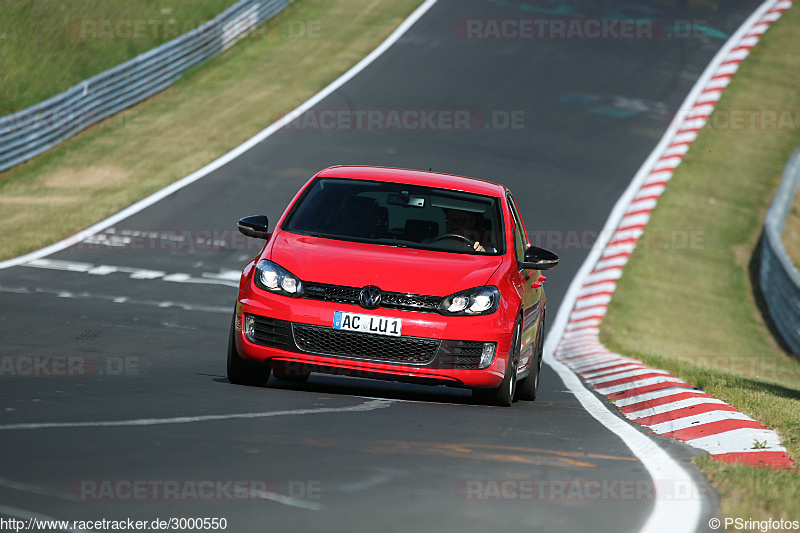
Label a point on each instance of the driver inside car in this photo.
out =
(464, 223)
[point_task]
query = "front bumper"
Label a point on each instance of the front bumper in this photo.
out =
(297, 334)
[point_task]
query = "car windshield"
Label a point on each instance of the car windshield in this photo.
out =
(398, 214)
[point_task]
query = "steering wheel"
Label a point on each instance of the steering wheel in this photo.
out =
(468, 242)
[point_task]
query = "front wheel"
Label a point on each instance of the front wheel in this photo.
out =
(241, 371)
(529, 387)
(504, 394)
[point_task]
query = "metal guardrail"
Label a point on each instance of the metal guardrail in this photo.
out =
(34, 130)
(778, 275)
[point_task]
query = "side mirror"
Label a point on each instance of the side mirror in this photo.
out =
(254, 226)
(538, 259)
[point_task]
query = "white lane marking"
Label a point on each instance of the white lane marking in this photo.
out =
(589, 314)
(577, 342)
(739, 441)
(227, 275)
(383, 477)
(229, 278)
(26, 516)
(603, 372)
(233, 154)
(590, 358)
(597, 288)
(623, 375)
(368, 406)
(397, 400)
(286, 500)
(609, 365)
(124, 238)
(667, 515)
(697, 420)
(594, 301)
(655, 395)
(640, 383)
(667, 407)
(117, 299)
(597, 362)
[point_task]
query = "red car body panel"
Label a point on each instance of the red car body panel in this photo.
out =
(402, 270)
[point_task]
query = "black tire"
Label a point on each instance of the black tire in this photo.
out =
(504, 394)
(242, 372)
(529, 387)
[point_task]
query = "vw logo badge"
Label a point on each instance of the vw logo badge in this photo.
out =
(370, 297)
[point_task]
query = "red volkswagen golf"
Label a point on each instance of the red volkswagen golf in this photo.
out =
(394, 274)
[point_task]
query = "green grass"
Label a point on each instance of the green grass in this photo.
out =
(47, 46)
(213, 109)
(691, 309)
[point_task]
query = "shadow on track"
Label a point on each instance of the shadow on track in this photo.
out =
(389, 390)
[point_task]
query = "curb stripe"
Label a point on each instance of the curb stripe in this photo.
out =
(617, 367)
(666, 398)
(696, 420)
(712, 428)
(673, 407)
(683, 413)
(774, 460)
(629, 377)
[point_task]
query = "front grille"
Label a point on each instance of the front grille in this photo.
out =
(272, 333)
(389, 300)
(413, 302)
(331, 293)
(465, 355)
(328, 341)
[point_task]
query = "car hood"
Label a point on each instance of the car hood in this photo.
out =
(390, 268)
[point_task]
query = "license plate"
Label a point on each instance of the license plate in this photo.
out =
(378, 325)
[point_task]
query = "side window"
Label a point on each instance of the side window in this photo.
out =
(520, 242)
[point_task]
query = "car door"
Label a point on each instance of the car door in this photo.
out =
(531, 295)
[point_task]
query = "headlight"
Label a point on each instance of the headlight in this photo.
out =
(275, 278)
(472, 302)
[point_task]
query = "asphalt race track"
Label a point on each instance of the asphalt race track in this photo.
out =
(143, 323)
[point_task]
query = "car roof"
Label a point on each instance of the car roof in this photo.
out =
(416, 177)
